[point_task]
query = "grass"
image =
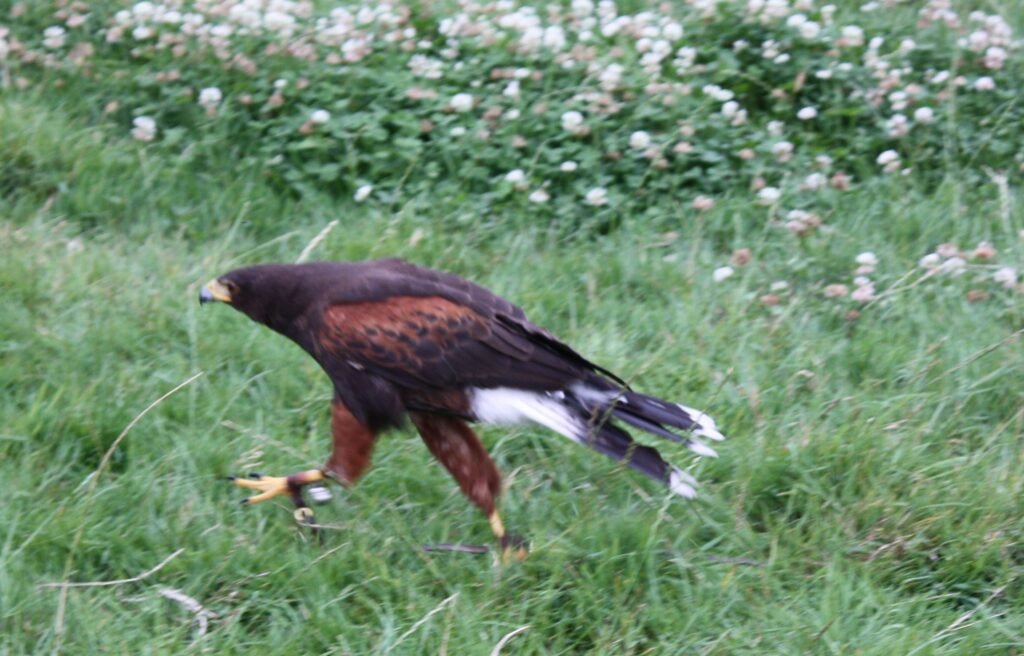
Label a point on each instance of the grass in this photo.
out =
(868, 500)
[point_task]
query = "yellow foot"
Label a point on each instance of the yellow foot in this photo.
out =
(267, 486)
(514, 549)
(274, 486)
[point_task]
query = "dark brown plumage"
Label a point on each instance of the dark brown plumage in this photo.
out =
(400, 340)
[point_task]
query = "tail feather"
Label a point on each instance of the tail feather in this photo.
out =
(616, 443)
(649, 414)
(670, 414)
(585, 415)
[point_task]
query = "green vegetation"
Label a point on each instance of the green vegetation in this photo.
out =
(869, 499)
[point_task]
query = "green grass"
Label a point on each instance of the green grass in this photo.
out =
(873, 469)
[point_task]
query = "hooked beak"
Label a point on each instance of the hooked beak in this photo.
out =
(214, 291)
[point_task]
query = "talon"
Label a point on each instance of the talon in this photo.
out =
(269, 487)
(514, 548)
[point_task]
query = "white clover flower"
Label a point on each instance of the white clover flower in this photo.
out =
(815, 181)
(672, 31)
(611, 77)
(864, 293)
(739, 119)
(807, 113)
(426, 67)
(597, 196)
(142, 32)
(717, 92)
(210, 97)
(279, 21)
(512, 90)
(539, 196)
(768, 195)
(362, 193)
(685, 57)
(809, 30)
(582, 8)
(861, 281)
(144, 128)
(836, 290)
(779, 286)
(54, 37)
(775, 128)
(462, 102)
(984, 251)
(898, 100)
(907, 46)
(320, 116)
(867, 258)
(954, 266)
(554, 38)
(898, 126)
(984, 83)
(851, 36)
(457, 131)
(639, 140)
(144, 9)
(888, 156)
(930, 261)
(889, 160)
(783, 150)
(703, 203)
(924, 115)
(572, 121)
(995, 57)
(515, 176)
(1005, 276)
(568, 166)
(721, 273)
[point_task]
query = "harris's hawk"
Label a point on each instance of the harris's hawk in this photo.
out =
(399, 340)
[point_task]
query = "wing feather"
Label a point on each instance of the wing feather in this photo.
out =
(433, 342)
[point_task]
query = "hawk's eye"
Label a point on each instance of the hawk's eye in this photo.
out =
(231, 286)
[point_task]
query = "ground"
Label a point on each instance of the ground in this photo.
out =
(867, 499)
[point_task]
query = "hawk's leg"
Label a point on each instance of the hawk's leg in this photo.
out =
(454, 443)
(350, 457)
